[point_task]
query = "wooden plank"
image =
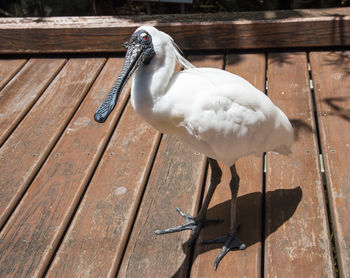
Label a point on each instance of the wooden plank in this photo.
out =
(22, 92)
(297, 233)
(31, 235)
(241, 263)
(97, 236)
(109, 207)
(8, 68)
(175, 181)
(24, 152)
(330, 73)
(246, 30)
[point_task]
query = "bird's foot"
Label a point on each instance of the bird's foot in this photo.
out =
(231, 241)
(191, 223)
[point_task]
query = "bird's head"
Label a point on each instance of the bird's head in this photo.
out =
(145, 44)
(139, 50)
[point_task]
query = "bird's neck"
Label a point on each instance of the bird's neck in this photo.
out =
(150, 83)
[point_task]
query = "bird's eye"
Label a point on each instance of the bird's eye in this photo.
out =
(145, 37)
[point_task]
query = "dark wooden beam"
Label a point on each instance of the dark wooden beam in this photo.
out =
(247, 30)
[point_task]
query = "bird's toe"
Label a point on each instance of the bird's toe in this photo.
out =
(191, 223)
(230, 241)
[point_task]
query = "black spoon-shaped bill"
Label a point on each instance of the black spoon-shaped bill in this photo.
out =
(133, 58)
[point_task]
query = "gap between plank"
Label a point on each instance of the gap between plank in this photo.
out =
(321, 163)
(263, 193)
(263, 218)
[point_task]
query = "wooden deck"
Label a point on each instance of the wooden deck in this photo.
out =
(83, 199)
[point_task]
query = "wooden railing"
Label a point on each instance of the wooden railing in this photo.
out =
(248, 30)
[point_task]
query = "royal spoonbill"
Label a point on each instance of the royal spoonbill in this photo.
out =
(217, 113)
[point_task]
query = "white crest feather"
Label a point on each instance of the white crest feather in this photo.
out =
(179, 54)
(181, 59)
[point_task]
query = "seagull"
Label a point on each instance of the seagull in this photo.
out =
(216, 113)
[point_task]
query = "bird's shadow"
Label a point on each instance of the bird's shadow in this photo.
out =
(339, 106)
(280, 58)
(300, 126)
(339, 59)
(280, 206)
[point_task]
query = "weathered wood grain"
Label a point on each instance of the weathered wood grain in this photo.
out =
(331, 76)
(175, 181)
(246, 30)
(297, 233)
(22, 92)
(8, 68)
(95, 242)
(26, 149)
(236, 263)
(38, 223)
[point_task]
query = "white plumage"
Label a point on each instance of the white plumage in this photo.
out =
(216, 112)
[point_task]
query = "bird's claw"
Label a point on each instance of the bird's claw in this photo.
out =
(231, 241)
(191, 223)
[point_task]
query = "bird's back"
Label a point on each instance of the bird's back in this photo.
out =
(222, 115)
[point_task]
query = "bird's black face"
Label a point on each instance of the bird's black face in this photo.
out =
(140, 41)
(139, 49)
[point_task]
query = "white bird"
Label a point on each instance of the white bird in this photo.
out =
(217, 113)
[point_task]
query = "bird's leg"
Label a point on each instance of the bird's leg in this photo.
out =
(196, 223)
(216, 174)
(230, 241)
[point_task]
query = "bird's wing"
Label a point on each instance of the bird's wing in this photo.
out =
(218, 109)
(216, 96)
